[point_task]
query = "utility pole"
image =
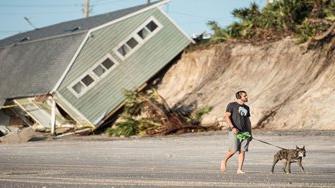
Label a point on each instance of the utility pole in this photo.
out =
(148, 1)
(86, 8)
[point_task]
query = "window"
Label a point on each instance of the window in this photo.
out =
(99, 70)
(87, 80)
(93, 76)
(148, 29)
(108, 63)
(152, 26)
(78, 88)
(123, 50)
(143, 33)
(103, 67)
(132, 43)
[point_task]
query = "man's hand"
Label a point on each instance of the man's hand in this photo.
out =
(250, 138)
(230, 124)
(234, 130)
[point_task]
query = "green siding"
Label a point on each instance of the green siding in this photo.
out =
(131, 73)
(65, 106)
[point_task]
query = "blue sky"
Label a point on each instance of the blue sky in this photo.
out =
(190, 15)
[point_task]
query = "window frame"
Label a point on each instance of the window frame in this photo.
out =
(92, 74)
(135, 35)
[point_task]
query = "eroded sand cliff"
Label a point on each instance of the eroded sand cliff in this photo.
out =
(288, 86)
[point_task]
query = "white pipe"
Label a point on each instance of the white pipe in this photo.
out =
(53, 117)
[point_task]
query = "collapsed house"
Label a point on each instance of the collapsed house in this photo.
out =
(74, 73)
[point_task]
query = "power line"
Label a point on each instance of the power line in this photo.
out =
(9, 31)
(92, 4)
(102, 1)
(194, 16)
(39, 5)
(37, 13)
(110, 1)
(29, 22)
(87, 5)
(96, 2)
(13, 13)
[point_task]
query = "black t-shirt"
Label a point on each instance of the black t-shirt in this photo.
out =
(239, 115)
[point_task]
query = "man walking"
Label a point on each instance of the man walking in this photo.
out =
(237, 117)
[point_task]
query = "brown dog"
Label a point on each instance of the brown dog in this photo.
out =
(291, 156)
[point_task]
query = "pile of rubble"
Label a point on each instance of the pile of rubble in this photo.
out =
(148, 114)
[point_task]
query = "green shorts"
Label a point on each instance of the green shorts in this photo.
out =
(237, 145)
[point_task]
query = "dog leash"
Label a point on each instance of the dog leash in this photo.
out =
(267, 143)
(245, 135)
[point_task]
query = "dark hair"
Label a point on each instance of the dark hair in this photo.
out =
(238, 94)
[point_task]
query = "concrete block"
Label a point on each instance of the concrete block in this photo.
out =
(21, 136)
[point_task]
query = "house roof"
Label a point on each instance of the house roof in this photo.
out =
(24, 73)
(79, 25)
(34, 66)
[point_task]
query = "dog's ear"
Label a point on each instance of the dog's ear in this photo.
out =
(296, 147)
(303, 147)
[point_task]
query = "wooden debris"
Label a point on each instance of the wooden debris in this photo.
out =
(154, 108)
(324, 35)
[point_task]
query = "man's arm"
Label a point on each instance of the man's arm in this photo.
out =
(230, 124)
(249, 128)
(249, 125)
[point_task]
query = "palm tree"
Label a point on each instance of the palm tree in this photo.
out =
(219, 34)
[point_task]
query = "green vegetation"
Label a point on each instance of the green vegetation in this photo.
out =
(149, 114)
(127, 127)
(301, 18)
(197, 115)
(130, 121)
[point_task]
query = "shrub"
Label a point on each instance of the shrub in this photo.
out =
(127, 127)
(280, 17)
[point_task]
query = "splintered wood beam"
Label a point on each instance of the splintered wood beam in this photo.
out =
(53, 117)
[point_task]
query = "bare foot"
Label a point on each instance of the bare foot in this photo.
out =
(223, 166)
(240, 172)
